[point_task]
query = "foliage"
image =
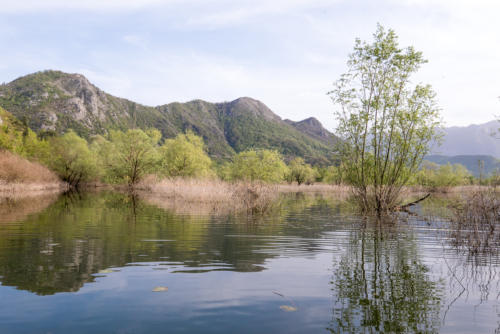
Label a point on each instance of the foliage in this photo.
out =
(331, 175)
(478, 165)
(11, 132)
(433, 175)
(185, 156)
(385, 123)
(263, 165)
(300, 172)
(128, 156)
(71, 158)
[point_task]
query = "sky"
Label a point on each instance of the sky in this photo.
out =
(285, 53)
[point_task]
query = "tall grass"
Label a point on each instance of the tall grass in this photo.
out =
(19, 175)
(315, 188)
(476, 222)
(208, 195)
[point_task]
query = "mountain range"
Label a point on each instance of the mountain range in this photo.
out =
(54, 101)
(475, 139)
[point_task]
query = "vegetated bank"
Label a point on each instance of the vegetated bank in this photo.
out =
(178, 169)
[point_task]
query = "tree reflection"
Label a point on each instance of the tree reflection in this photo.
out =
(62, 247)
(381, 285)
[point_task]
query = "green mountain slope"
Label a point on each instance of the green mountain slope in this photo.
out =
(56, 101)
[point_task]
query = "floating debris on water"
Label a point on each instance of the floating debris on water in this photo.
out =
(105, 271)
(160, 289)
(288, 308)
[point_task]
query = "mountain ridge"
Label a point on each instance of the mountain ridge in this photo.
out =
(474, 139)
(54, 101)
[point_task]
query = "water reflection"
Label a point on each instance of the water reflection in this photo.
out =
(59, 249)
(338, 272)
(381, 284)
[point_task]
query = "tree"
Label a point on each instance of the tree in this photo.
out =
(386, 124)
(128, 156)
(71, 158)
(263, 165)
(434, 175)
(300, 172)
(332, 175)
(185, 156)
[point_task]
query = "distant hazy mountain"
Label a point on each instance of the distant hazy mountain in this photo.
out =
(471, 140)
(57, 101)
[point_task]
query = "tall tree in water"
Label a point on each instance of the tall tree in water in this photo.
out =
(386, 122)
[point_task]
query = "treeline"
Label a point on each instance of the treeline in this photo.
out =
(125, 157)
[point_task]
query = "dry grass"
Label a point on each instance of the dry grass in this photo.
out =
(16, 169)
(314, 188)
(208, 196)
(476, 222)
(448, 190)
(21, 177)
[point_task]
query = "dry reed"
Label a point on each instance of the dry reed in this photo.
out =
(476, 222)
(205, 196)
(21, 177)
(314, 188)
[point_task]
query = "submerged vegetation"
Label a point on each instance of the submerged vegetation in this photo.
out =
(476, 222)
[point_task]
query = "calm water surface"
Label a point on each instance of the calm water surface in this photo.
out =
(88, 263)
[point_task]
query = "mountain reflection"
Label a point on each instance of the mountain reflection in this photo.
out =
(381, 285)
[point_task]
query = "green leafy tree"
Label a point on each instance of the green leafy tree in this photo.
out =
(71, 158)
(128, 156)
(185, 156)
(35, 148)
(332, 175)
(300, 172)
(386, 124)
(434, 175)
(11, 133)
(263, 165)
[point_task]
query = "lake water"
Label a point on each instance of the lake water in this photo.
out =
(88, 263)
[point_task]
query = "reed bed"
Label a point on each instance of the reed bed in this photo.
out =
(20, 177)
(314, 188)
(205, 196)
(16, 169)
(17, 190)
(469, 189)
(476, 223)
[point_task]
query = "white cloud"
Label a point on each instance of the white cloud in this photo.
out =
(284, 52)
(49, 5)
